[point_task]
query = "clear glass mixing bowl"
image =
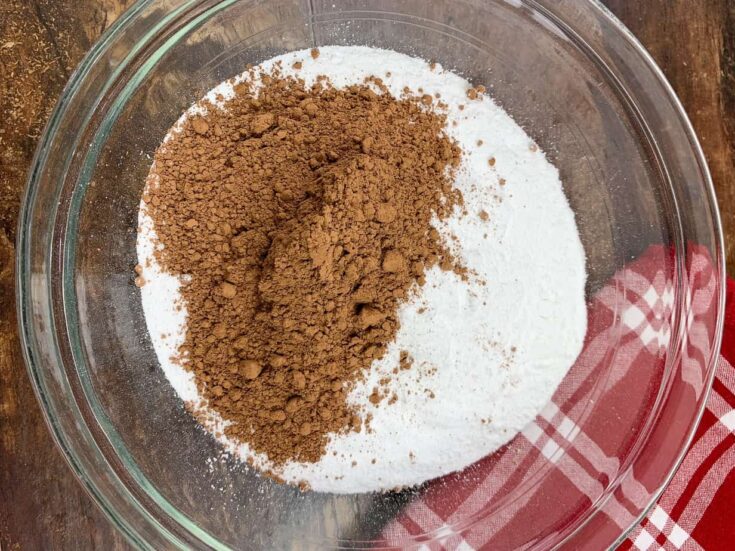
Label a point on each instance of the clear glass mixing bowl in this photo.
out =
(566, 70)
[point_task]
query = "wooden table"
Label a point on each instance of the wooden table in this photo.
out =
(41, 504)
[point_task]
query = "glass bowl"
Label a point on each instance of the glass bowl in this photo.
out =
(567, 71)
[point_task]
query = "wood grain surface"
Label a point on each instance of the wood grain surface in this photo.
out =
(41, 504)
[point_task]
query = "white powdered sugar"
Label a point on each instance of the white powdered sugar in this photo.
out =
(488, 353)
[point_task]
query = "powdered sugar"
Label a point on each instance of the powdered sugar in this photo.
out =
(488, 354)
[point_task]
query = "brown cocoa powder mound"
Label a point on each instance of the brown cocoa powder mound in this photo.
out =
(301, 219)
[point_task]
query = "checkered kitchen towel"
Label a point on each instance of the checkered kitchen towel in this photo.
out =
(576, 455)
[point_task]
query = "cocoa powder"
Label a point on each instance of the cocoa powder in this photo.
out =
(299, 220)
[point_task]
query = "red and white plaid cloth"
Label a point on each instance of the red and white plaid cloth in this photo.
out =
(576, 457)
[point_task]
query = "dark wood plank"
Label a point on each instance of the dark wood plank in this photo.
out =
(41, 504)
(694, 44)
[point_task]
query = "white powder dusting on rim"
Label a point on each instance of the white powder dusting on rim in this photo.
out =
(487, 358)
